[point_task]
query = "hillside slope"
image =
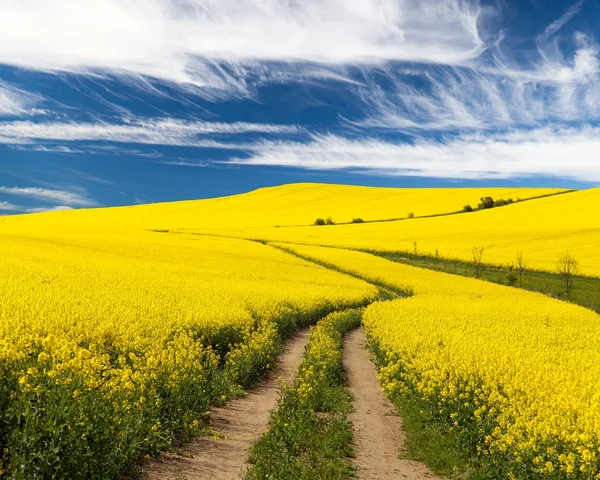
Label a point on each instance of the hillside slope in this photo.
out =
(542, 228)
(286, 205)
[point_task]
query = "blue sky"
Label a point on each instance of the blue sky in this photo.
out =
(116, 102)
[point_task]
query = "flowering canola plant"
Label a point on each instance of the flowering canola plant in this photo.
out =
(112, 343)
(514, 374)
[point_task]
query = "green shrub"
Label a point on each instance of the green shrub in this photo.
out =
(358, 220)
(502, 202)
(320, 221)
(486, 202)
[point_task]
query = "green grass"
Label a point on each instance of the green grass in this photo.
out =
(431, 442)
(310, 435)
(428, 441)
(585, 292)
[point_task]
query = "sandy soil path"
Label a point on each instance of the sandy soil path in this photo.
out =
(378, 435)
(240, 423)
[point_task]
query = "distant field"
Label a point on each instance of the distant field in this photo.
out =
(542, 228)
(297, 204)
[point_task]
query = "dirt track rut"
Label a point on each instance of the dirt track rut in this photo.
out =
(378, 436)
(240, 423)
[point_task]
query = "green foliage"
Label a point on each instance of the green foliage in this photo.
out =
(358, 220)
(310, 434)
(320, 221)
(489, 202)
(329, 221)
(410, 215)
(103, 433)
(502, 202)
(486, 202)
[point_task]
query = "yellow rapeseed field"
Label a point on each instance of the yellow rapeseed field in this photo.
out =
(542, 228)
(112, 343)
(296, 204)
(119, 327)
(515, 373)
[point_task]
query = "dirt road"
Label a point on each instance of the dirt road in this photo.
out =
(240, 423)
(378, 435)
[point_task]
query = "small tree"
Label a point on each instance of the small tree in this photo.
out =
(410, 215)
(320, 221)
(329, 221)
(567, 266)
(415, 248)
(478, 260)
(522, 264)
(358, 220)
(486, 202)
(467, 208)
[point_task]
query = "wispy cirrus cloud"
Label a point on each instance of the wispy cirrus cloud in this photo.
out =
(47, 149)
(141, 131)
(514, 154)
(16, 102)
(186, 163)
(503, 94)
(425, 68)
(560, 22)
(218, 44)
(71, 198)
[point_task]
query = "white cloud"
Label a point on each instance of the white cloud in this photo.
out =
(566, 153)
(554, 89)
(186, 163)
(54, 208)
(73, 198)
(14, 101)
(559, 23)
(152, 131)
(8, 207)
(47, 149)
(217, 43)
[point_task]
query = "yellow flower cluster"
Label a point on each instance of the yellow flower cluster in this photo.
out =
(514, 373)
(122, 339)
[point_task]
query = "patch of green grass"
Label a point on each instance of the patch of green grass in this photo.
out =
(585, 292)
(310, 435)
(431, 442)
(428, 441)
